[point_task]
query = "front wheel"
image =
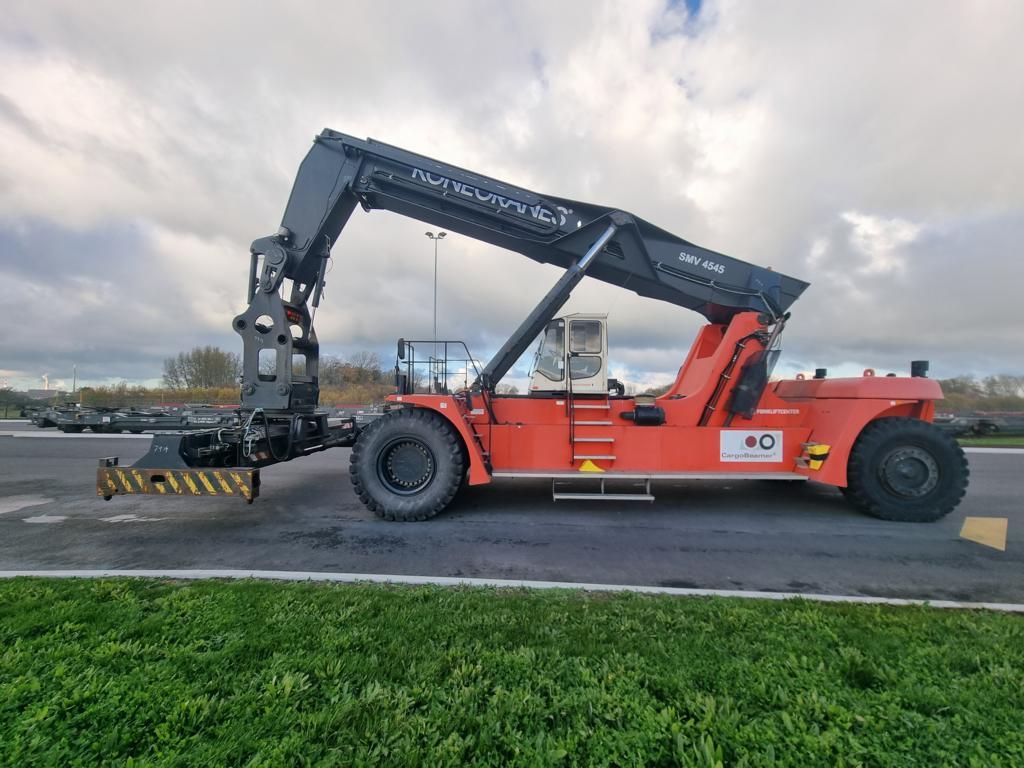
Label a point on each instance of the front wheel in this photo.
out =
(407, 465)
(906, 470)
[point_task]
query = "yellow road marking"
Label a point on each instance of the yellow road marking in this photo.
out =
(223, 483)
(241, 483)
(988, 531)
(206, 481)
(191, 484)
(174, 482)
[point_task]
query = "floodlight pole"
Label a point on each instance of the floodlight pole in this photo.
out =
(435, 238)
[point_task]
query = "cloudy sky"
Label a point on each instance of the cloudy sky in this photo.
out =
(873, 149)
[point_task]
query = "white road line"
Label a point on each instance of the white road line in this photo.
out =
(449, 581)
(130, 519)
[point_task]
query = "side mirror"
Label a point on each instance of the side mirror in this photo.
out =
(401, 349)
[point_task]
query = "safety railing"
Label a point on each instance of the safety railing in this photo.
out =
(429, 367)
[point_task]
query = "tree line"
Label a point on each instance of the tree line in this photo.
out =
(211, 368)
(1000, 392)
(211, 375)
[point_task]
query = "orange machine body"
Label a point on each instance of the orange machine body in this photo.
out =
(795, 422)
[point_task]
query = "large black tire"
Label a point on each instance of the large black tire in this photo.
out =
(906, 470)
(407, 465)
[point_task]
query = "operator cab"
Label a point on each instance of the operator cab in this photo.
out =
(580, 339)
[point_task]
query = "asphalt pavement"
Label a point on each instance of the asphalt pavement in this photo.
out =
(750, 535)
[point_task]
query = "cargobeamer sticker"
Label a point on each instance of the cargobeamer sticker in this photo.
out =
(747, 445)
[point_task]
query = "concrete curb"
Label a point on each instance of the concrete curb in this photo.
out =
(1017, 451)
(449, 581)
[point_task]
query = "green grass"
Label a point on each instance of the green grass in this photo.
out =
(993, 441)
(132, 673)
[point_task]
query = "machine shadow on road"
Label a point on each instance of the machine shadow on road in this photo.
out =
(725, 500)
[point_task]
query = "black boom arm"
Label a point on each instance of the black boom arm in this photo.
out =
(606, 243)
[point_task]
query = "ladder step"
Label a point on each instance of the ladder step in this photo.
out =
(593, 423)
(594, 440)
(582, 406)
(582, 456)
(603, 496)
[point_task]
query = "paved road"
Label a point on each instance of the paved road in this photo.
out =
(725, 535)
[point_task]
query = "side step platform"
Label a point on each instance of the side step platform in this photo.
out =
(572, 490)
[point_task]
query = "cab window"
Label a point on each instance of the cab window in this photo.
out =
(584, 367)
(551, 353)
(586, 337)
(585, 346)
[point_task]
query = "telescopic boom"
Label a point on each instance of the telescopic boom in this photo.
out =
(341, 171)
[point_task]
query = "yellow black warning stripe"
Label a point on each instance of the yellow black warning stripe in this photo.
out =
(815, 455)
(233, 481)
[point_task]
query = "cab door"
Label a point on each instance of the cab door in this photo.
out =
(588, 350)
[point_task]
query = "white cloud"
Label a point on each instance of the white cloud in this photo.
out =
(870, 149)
(880, 240)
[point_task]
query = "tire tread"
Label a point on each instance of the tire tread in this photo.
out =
(874, 437)
(409, 509)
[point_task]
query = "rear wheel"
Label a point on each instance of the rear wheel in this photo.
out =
(906, 470)
(407, 465)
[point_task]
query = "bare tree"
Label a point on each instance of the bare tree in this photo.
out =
(369, 361)
(202, 368)
(361, 368)
(961, 385)
(1003, 385)
(331, 372)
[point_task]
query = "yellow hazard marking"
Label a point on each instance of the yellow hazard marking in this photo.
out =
(159, 487)
(110, 481)
(125, 482)
(191, 484)
(139, 480)
(240, 483)
(223, 483)
(589, 466)
(816, 455)
(174, 482)
(989, 531)
(206, 482)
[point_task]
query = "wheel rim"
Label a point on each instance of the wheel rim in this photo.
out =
(909, 472)
(406, 466)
